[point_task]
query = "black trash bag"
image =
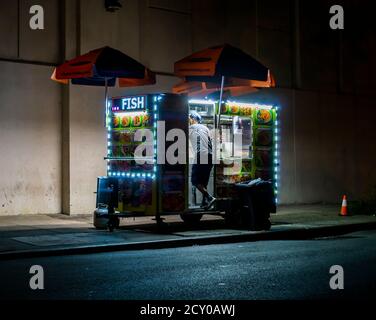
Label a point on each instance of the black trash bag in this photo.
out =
(257, 201)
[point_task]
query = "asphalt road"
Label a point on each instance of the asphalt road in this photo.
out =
(251, 270)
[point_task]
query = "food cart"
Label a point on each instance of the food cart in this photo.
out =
(245, 133)
(247, 148)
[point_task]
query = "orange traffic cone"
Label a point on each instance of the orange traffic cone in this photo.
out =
(344, 207)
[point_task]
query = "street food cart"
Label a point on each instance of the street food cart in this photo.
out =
(245, 133)
(148, 185)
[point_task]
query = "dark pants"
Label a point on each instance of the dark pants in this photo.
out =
(201, 172)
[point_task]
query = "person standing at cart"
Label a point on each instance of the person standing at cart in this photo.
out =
(199, 136)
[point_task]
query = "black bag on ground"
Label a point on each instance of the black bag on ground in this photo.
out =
(257, 201)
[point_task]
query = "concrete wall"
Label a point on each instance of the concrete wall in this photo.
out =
(165, 32)
(325, 87)
(8, 29)
(30, 140)
(20, 42)
(87, 141)
(30, 111)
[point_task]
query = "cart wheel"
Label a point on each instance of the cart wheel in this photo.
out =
(191, 218)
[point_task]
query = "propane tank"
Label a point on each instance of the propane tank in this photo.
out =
(100, 217)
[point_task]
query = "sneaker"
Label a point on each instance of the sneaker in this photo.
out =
(204, 202)
(210, 202)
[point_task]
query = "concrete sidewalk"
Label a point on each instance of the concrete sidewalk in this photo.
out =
(40, 235)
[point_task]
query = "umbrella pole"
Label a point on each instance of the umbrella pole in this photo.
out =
(105, 101)
(219, 115)
(220, 135)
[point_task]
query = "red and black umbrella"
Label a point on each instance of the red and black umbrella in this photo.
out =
(221, 68)
(103, 66)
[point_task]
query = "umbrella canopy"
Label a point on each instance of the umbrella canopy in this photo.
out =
(232, 86)
(221, 67)
(102, 67)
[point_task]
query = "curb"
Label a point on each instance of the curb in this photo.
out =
(292, 234)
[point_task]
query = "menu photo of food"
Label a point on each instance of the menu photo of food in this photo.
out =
(246, 111)
(126, 137)
(234, 109)
(116, 120)
(126, 121)
(137, 120)
(264, 116)
(264, 137)
(225, 108)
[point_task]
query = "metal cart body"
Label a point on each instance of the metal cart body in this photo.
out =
(158, 188)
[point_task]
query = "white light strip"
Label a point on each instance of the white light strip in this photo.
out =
(200, 101)
(276, 154)
(132, 174)
(257, 105)
(133, 113)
